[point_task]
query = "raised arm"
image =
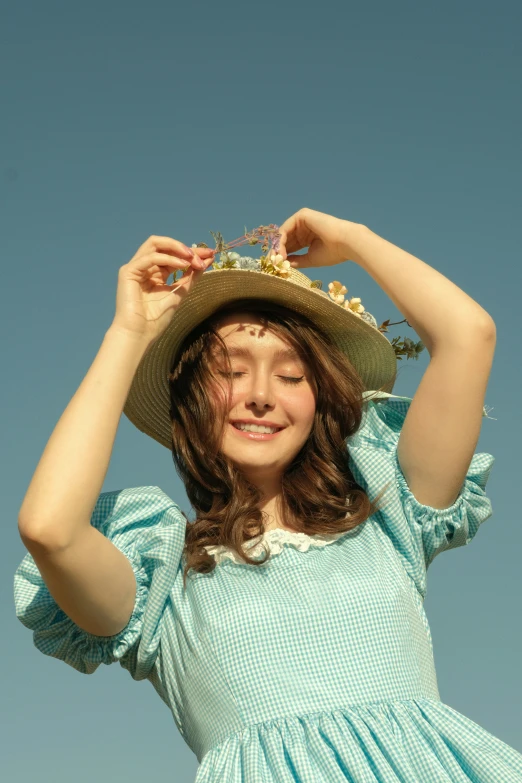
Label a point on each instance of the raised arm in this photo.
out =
(69, 477)
(88, 576)
(67, 482)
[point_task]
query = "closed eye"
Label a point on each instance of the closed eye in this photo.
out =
(284, 378)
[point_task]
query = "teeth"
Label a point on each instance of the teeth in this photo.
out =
(255, 428)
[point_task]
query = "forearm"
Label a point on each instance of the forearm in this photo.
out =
(438, 310)
(70, 474)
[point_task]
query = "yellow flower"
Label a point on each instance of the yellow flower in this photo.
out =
(280, 265)
(337, 291)
(354, 305)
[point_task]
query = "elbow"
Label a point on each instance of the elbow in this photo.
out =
(35, 534)
(485, 326)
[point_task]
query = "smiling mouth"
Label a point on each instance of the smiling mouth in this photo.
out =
(272, 430)
(256, 434)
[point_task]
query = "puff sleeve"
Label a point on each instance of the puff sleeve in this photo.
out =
(418, 532)
(149, 528)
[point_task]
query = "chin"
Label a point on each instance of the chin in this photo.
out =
(242, 463)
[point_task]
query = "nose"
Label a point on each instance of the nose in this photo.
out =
(260, 393)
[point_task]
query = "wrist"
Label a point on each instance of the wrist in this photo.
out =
(352, 240)
(116, 333)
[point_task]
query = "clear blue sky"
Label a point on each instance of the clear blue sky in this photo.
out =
(122, 120)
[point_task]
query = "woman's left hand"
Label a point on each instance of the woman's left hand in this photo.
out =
(325, 236)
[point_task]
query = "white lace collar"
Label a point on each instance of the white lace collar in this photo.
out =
(276, 539)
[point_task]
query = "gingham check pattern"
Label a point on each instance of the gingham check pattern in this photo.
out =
(317, 666)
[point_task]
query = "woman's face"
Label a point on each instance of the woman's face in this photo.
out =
(271, 386)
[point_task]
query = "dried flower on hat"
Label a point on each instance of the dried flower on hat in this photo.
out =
(271, 262)
(354, 304)
(337, 291)
(235, 261)
(368, 317)
(275, 264)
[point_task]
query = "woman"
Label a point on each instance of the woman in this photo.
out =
(284, 627)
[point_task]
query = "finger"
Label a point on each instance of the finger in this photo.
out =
(288, 239)
(153, 261)
(290, 231)
(166, 245)
(160, 276)
(205, 255)
(204, 251)
(283, 237)
(179, 289)
(182, 286)
(300, 261)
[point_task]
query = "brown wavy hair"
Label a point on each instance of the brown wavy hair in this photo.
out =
(319, 493)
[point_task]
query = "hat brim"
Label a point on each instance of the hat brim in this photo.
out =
(370, 352)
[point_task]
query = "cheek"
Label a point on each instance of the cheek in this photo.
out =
(218, 395)
(300, 405)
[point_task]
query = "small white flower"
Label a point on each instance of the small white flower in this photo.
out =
(226, 255)
(354, 305)
(337, 291)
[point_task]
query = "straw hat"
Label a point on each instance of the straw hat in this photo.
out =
(348, 324)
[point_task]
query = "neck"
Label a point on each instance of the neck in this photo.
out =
(270, 503)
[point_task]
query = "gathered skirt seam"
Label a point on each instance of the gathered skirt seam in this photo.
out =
(329, 711)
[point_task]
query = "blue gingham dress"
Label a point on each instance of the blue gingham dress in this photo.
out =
(317, 666)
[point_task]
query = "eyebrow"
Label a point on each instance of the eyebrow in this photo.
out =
(281, 353)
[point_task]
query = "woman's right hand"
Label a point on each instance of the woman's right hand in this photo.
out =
(144, 303)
